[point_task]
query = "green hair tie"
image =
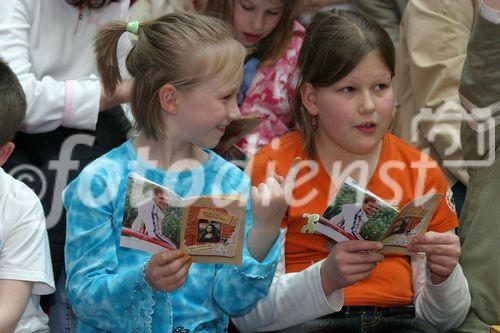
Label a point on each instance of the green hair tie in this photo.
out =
(133, 27)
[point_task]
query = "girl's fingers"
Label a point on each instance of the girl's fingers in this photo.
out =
(254, 193)
(429, 249)
(359, 245)
(176, 280)
(174, 266)
(442, 260)
(365, 257)
(273, 186)
(164, 258)
(435, 238)
(440, 270)
(279, 179)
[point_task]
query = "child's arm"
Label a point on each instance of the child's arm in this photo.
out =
(313, 292)
(238, 288)
(51, 102)
(269, 207)
(269, 200)
(14, 296)
(298, 293)
(442, 295)
(106, 284)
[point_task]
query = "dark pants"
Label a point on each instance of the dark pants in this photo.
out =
(47, 162)
(367, 320)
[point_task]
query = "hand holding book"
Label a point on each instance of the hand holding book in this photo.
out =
(356, 213)
(348, 263)
(167, 271)
(208, 228)
(442, 251)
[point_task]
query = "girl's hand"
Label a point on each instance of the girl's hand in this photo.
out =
(121, 95)
(269, 201)
(349, 262)
(493, 4)
(268, 208)
(269, 205)
(167, 271)
(442, 250)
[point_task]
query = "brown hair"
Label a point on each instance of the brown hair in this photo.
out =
(271, 47)
(167, 51)
(335, 43)
(368, 199)
(12, 103)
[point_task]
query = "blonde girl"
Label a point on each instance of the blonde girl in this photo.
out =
(187, 70)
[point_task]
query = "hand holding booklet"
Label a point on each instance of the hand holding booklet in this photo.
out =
(356, 213)
(208, 228)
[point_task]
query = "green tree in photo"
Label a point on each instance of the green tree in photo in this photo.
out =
(346, 195)
(376, 226)
(171, 224)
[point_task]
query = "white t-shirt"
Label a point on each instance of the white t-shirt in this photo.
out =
(24, 248)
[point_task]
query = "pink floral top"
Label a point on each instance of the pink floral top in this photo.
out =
(268, 96)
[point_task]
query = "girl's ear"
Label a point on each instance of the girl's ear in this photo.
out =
(169, 99)
(308, 96)
(5, 152)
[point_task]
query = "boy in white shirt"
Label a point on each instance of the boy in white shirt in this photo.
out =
(25, 266)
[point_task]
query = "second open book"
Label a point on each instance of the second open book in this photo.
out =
(356, 213)
(208, 228)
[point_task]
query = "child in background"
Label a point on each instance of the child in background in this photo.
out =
(25, 267)
(187, 71)
(342, 111)
(267, 28)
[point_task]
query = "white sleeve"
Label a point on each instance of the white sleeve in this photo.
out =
(300, 294)
(25, 253)
(489, 14)
(444, 305)
(51, 103)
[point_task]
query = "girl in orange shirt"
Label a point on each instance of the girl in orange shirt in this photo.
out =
(342, 111)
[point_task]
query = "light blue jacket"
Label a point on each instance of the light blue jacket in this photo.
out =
(105, 282)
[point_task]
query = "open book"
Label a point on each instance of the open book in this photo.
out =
(208, 228)
(356, 213)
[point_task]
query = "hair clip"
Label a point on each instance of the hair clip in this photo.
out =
(133, 27)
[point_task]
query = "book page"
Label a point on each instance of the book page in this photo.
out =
(210, 229)
(355, 213)
(152, 219)
(413, 220)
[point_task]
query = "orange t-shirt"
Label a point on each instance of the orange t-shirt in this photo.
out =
(391, 281)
